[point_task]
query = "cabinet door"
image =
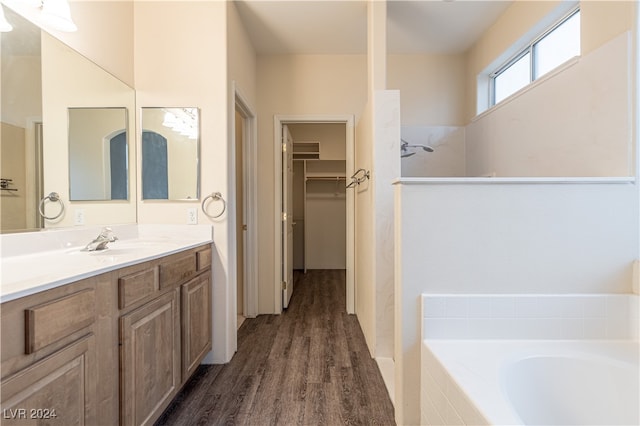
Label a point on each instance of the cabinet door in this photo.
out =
(58, 390)
(196, 323)
(149, 359)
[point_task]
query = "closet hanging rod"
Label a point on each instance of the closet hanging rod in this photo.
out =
(329, 178)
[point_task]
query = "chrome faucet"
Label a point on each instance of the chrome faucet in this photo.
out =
(105, 237)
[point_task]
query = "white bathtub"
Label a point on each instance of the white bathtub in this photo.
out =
(532, 382)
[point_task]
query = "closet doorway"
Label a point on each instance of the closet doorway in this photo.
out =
(315, 210)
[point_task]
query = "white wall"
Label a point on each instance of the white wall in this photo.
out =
(386, 169)
(448, 157)
(497, 236)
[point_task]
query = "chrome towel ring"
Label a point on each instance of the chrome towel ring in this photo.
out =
(53, 197)
(215, 196)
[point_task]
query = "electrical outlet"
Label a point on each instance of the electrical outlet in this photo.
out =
(192, 216)
(78, 216)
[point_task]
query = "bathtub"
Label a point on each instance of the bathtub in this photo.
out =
(543, 359)
(530, 382)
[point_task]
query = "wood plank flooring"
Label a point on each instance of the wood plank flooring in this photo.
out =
(308, 366)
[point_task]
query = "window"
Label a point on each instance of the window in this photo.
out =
(555, 46)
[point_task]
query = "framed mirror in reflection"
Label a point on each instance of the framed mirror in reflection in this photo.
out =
(170, 153)
(98, 159)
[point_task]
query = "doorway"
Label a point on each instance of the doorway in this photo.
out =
(321, 213)
(244, 163)
(240, 220)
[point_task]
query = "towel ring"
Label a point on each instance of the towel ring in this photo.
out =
(216, 196)
(53, 197)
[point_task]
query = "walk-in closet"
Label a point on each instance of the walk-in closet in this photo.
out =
(319, 195)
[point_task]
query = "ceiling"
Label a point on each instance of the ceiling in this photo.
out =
(340, 27)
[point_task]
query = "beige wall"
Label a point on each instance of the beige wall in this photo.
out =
(431, 86)
(332, 138)
(105, 32)
(587, 129)
(70, 80)
(601, 21)
(12, 166)
(296, 85)
(22, 89)
(173, 69)
(241, 56)
(241, 75)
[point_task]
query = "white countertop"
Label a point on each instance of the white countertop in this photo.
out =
(33, 262)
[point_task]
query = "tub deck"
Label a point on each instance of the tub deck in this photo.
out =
(462, 380)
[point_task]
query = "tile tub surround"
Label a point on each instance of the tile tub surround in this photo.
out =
(36, 261)
(539, 316)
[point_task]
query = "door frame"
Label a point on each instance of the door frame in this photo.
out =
(250, 202)
(348, 121)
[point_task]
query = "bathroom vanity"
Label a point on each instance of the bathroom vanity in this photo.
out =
(110, 348)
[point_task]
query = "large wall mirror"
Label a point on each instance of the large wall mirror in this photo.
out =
(98, 154)
(46, 87)
(170, 153)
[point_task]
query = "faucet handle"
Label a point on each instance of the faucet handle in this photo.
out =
(107, 232)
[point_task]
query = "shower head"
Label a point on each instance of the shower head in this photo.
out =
(404, 148)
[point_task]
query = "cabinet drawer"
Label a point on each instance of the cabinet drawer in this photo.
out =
(137, 286)
(51, 321)
(177, 270)
(204, 259)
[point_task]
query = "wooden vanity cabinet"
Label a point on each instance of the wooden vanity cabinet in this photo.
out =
(57, 346)
(58, 390)
(196, 323)
(165, 331)
(111, 349)
(149, 359)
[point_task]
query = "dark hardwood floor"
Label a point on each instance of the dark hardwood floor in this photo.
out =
(308, 366)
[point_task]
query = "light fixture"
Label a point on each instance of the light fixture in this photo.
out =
(182, 121)
(57, 14)
(5, 26)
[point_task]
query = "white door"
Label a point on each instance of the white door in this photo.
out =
(287, 216)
